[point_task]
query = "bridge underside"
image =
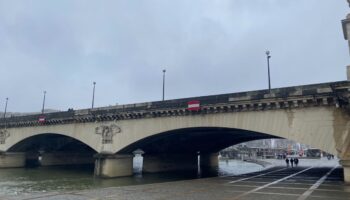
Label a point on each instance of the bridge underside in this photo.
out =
(50, 143)
(167, 151)
(47, 150)
(179, 149)
(193, 140)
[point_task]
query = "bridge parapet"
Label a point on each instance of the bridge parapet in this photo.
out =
(326, 94)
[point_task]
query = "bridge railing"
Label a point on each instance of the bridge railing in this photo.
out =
(279, 93)
(35, 117)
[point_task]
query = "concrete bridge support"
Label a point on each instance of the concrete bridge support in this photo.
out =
(65, 158)
(346, 166)
(12, 160)
(169, 162)
(209, 161)
(113, 165)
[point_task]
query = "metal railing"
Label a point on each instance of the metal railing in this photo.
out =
(279, 93)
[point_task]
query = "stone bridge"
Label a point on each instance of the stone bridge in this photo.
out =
(172, 135)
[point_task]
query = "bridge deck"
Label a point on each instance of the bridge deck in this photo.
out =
(325, 94)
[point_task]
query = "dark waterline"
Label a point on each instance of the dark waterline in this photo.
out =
(50, 179)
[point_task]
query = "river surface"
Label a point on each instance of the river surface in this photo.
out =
(22, 181)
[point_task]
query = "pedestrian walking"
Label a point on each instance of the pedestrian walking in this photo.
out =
(291, 161)
(287, 162)
(296, 162)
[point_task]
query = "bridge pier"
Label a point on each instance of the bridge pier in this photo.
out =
(346, 166)
(209, 161)
(113, 165)
(169, 162)
(12, 160)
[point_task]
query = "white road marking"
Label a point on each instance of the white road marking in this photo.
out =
(267, 185)
(307, 193)
(243, 179)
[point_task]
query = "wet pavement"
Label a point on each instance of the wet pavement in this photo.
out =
(299, 183)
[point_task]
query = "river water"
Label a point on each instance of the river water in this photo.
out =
(23, 181)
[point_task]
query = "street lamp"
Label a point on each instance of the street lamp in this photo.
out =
(93, 95)
(346, 31)
(268, 67)
(6, 108)
(163, 82)
(42, 111)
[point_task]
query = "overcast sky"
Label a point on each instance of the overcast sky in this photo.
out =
(206, 46)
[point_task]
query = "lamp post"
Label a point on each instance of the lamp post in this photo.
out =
(268, 68)
(346, 31)
(42, 111)
(93, 95)
(163, 82)
(6, 108)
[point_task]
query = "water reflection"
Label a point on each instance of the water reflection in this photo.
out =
(41, 180)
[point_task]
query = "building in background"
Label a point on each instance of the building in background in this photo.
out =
(270, 148)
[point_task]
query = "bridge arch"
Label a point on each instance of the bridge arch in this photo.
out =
(193, 140)
(83, 133)
(48, 149)
(50, 142)
(319, 127)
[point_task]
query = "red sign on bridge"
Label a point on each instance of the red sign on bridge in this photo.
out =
(194, 105)
(42, 119)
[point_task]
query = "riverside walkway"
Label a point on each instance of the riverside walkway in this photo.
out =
(299, 183)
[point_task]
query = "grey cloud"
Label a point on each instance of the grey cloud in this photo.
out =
(207, 47)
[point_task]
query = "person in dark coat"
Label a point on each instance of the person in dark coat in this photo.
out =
(291, 161)
(287, 162)
(296, 162)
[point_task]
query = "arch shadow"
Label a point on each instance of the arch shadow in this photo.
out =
(193, 140)
(51, 142)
